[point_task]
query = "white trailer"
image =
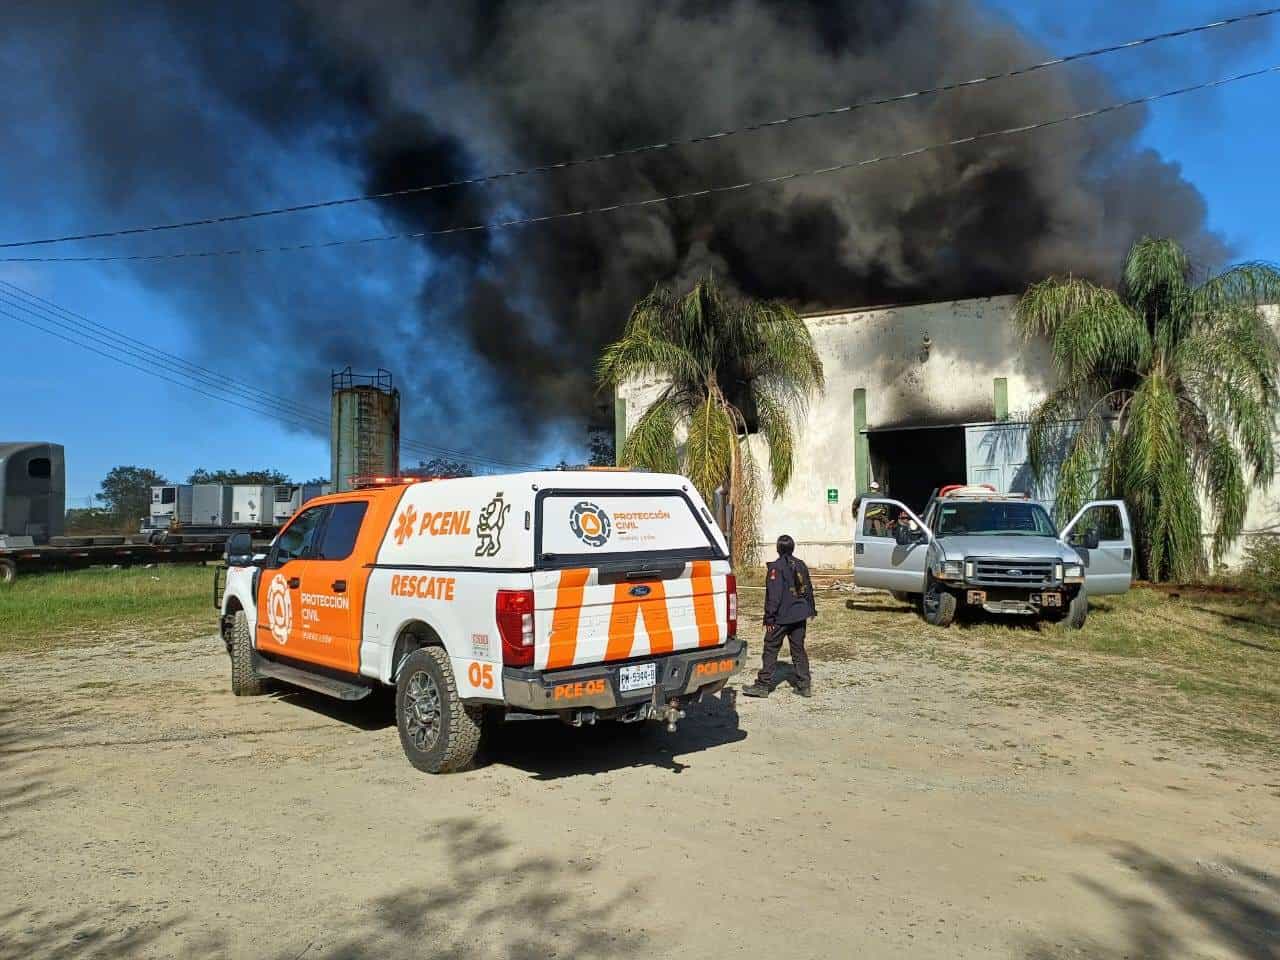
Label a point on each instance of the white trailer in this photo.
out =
(252, 504)
(170, 505)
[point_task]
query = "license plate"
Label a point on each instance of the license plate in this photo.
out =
(637, 677)
(1050, 599)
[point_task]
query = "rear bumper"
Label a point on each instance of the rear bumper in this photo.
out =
(678, 675)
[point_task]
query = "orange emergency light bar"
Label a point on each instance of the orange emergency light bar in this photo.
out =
(360, 483)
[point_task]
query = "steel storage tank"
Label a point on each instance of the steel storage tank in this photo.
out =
(33, 490)
(364, 432)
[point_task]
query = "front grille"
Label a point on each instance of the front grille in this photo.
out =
(1012, 573)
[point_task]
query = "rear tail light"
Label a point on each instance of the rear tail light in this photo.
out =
(514, 612)
(731, 603)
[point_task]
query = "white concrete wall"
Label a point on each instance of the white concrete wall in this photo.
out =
(880, 350)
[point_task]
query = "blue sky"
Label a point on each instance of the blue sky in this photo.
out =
(106, 414)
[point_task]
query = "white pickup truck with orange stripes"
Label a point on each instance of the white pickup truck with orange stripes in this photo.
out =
(588, 595)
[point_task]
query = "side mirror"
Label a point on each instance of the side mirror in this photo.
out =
(905, 536)
(1088, 539)
(239, 550)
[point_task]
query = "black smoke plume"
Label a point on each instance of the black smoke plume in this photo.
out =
(164, 111)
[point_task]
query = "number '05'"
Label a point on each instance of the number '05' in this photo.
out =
(481, 675)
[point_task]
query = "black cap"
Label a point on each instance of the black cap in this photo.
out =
(786, 546)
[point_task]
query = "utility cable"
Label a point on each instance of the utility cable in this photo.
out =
(655, 201)
(654, 147)
(249, 400)
(206, 377)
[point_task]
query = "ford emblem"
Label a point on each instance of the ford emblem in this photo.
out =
(640, 590)
(1014, 573)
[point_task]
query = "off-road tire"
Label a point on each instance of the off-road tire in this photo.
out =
(245, 682)
(938, 605)
(8, 572)
(1078, 611)
(458, 730)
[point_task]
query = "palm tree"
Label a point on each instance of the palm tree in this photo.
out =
(1166, 394)
(728, 364)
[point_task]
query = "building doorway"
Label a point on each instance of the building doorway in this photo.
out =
(912, 462)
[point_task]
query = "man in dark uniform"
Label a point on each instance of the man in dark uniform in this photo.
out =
(788, 605)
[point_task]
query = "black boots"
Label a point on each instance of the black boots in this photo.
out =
(758, 689)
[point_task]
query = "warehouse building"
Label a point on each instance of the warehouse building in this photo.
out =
(917, 396)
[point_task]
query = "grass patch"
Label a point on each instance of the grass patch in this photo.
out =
(1196, 664)
(51, 609)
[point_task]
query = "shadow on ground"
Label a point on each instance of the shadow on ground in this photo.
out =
(488, 900)
(472, 895)
(375, 712)
(549, 750)
(1232, 906)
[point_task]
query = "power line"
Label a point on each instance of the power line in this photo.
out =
(654, 201)
(45, 320)
(653, 147)
(51, 312)
(48, 313)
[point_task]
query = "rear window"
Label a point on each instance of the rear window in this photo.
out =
(576, 527)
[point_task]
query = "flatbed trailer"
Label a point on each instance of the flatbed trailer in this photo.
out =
(74, 553)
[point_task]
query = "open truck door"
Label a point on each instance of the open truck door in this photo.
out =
(1101, 534)
(888, 553)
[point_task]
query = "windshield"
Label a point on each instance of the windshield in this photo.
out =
(1007, 518)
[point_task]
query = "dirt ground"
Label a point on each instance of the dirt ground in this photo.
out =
(906, 810)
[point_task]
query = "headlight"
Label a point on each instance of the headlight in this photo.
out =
(1073, 571)
(952, 569)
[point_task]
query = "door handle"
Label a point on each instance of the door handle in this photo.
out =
(294, 583)
(339, 586)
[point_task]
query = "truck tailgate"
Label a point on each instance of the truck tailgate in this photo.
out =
(586, 615)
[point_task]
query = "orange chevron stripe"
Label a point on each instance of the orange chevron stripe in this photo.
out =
(623, 616)
(704, 604)
(564, 621)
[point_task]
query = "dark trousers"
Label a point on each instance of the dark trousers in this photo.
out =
(794, 634)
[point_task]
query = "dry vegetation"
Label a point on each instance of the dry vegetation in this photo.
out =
(1195, 664)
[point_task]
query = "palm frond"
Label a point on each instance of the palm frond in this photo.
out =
(640, 354)
(775, 426)
(1153, 432)
(1099, 341)
(1047, 304)
(1157, 275)
(1252, 284)
(746, 500)
(783, 349)
(1227, 493)
(651, 444)
(710, 448)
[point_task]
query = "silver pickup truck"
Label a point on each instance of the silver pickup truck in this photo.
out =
(1000, 553)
